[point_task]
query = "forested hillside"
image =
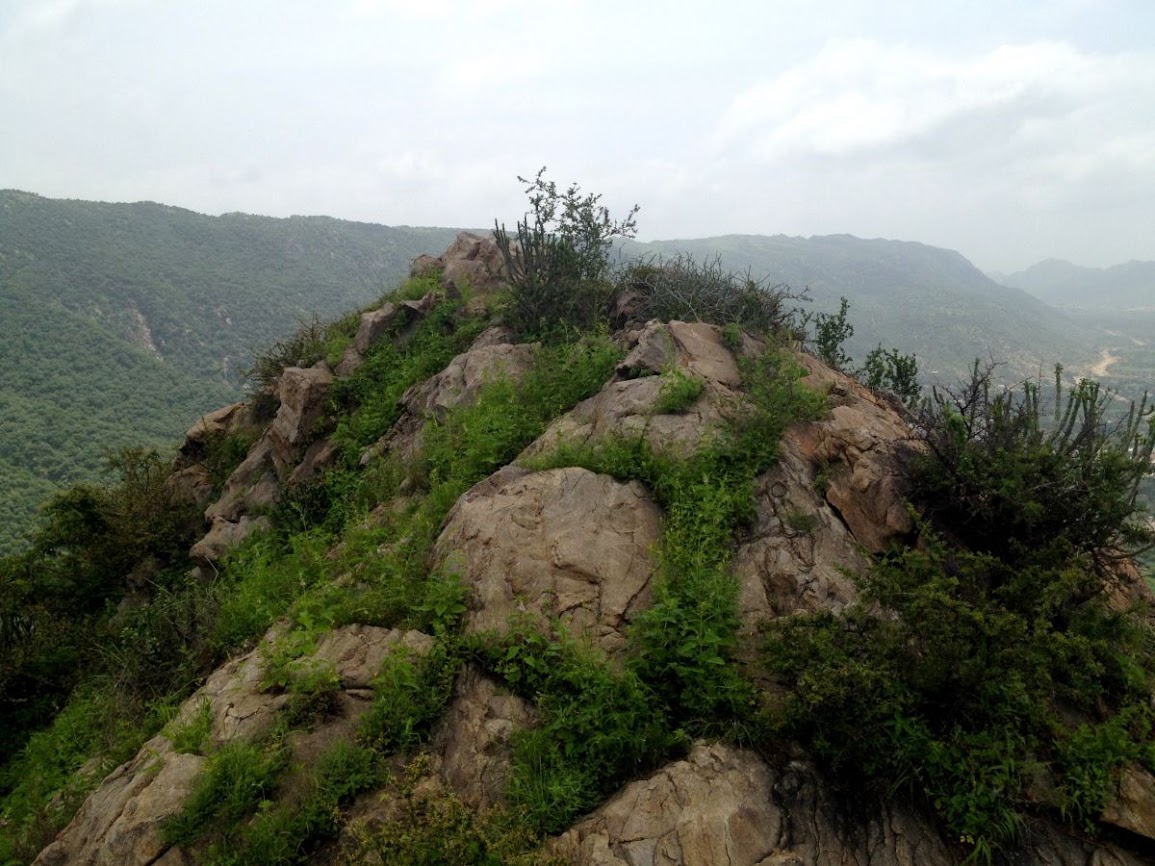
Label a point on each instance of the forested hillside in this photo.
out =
(923, 300)
(120, 322)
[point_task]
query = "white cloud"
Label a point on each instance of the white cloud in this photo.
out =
(859, 97)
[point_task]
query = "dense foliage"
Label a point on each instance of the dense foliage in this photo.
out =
(985, 668)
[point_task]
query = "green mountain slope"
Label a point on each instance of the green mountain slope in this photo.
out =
(1127, 286)
(923, 300)
(120, 322)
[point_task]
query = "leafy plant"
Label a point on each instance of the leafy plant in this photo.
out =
(558, 261)
(684, 289)
(193, 735)
(234, 781)
(597, 728)
(986, 659)
(678, 392)
(411, 693)
(287, 832)
(888, 370)
(1008, 477)
(831, 330)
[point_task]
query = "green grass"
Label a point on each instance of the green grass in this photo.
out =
(236, 779)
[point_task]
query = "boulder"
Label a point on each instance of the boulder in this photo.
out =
(858, 450)
(564, 544)
(391, 318)
(302, 392)
(726, 805)
(798, 553)
(219, 422)
(1133, 807)
(224, 535)
(473, 741)
(626, 406)
(473, 261)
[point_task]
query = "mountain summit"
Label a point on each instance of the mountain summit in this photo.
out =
(662, 591)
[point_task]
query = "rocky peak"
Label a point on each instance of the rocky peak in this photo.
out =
(569, 550)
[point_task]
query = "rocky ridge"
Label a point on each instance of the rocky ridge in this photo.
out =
(574, 548)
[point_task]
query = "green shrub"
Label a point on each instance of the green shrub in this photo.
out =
(678, 392)
(193, 736)
(597, 726)
(559, 260)
(887, 370)
(1005, 476)
(431, 826)
(412, 692)
(289, 831)
(831, 330)
(991, 679)
(683, 289)
(234, 781)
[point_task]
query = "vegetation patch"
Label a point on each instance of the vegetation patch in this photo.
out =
(234, 782)
(598, 726)
(984, 669)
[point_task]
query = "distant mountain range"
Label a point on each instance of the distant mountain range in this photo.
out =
(1121, 287)
(920, 299)
(120, 324)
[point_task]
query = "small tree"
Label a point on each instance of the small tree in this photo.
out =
(887, 370)
(1009, 477)
(831, 330)
(559, 261)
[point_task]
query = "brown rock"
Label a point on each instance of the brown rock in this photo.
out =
(798, 554)
(390, 318)
(474, 739)
(724, 805)
(425, 266)
(1133, 807)
(625, 408)
(225, 535)
(119, 823)
(302, 393)
(192, 485)
(491, 357)
(475, 261)
(218, 422)
(859, 448)
(564, 544)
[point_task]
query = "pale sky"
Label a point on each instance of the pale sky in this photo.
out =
(1010, 130)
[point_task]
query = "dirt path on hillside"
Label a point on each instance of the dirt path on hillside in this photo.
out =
(1106, 359)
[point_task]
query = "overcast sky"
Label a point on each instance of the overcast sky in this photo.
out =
(1010, 130)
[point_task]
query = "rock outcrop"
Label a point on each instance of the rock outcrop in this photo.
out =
(120, 824)
(564, 544)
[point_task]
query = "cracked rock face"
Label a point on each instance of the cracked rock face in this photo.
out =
(723, 805)
(565, 543)
(474, 739)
